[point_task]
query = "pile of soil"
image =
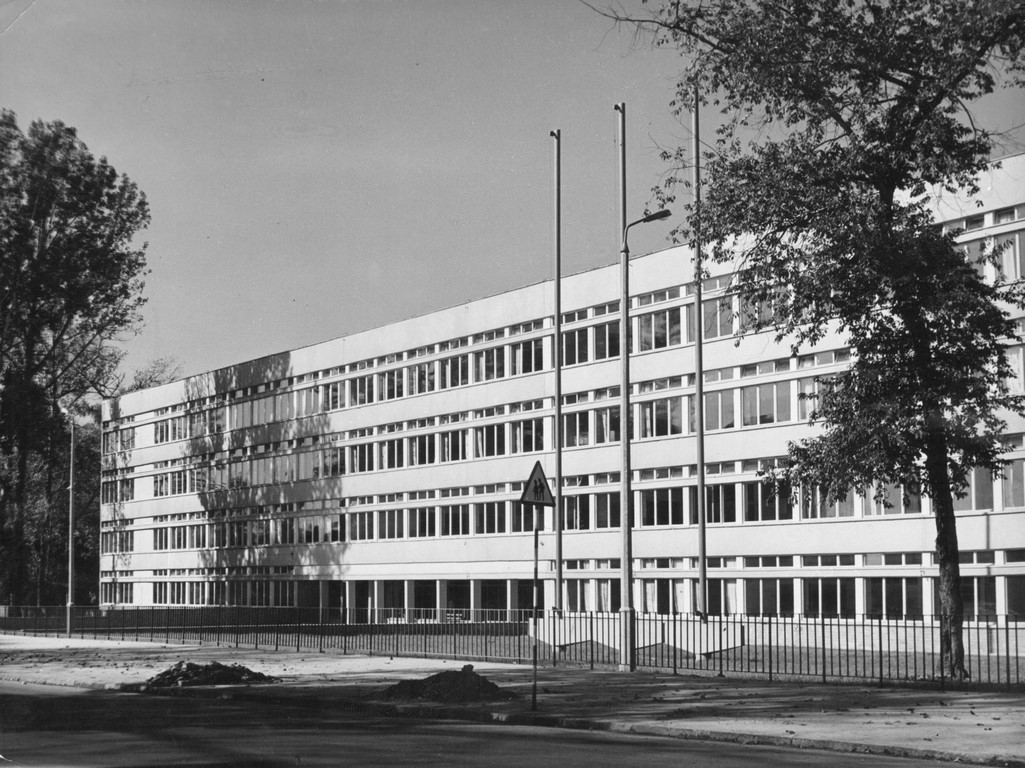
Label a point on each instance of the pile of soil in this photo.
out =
(449, 687)
(214, 673)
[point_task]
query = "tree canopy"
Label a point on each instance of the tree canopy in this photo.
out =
(840, 117)
(71, 279)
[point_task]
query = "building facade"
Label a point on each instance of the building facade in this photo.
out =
(382, 470)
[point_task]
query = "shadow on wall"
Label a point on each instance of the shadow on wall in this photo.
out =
(271, 487)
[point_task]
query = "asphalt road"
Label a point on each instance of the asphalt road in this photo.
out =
(55, 727)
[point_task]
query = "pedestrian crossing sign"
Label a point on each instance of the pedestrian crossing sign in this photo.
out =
(537, 491)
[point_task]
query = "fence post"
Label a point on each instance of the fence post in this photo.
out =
(770, 647)
(880, 651)
(822, 618)
(1007, 649)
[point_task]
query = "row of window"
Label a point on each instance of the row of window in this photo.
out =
(654, 330)
(890, 597)
(657, 507)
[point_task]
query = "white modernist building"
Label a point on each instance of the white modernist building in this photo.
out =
(382, 470)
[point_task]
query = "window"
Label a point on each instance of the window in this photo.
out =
(524, 516)
(421, 378)
(1010, 253)
(719, 410)
(453, 445)
(575, 429)
(606, 340)
(421, 522)
(720, 503)
(361, 390)
(490, 516)
(828, 597)
(489, 364)
(807, 397)
(455, 372)
(528, 436)
(606, 425)
(660, 418)
(766, 403)
(393, 455)
(717, 317)
(893, 598)
(392, 523)
(979, 596)
(455, 520)
(1003, 216)
(979, 492)
(527, 357)
(661, 506)
(1013, 485)
(658, 330)
(333, 462)
(815, 504)
(160, 485)
(891, 502)
(722, 596)
(974, 222)
(606, 510)
(391, 384)
(1015, 598)
(576, 513)
(363, 457)
(574, 347)
(361, 526)
(489, 440)
(421, 450)
(333, 396)
(769, 597)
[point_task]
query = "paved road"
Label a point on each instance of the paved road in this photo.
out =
(48, 726)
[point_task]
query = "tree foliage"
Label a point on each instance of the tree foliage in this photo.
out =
(840, 117)
(70, 285)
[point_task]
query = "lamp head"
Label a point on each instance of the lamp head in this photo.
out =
(665, 213)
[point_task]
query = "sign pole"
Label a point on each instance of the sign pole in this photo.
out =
(537, 495)
(533, 692)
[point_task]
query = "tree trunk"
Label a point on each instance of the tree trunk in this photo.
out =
(947, 558)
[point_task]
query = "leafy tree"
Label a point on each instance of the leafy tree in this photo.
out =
(70, 284)
(840, 117)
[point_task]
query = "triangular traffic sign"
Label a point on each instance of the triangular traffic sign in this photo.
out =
(536, 490)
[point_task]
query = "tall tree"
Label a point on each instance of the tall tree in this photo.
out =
(840, 117)
(70, 284)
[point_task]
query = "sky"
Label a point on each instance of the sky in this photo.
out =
(317, 167)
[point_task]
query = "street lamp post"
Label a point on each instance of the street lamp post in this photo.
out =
(628, 660)
(71, 524)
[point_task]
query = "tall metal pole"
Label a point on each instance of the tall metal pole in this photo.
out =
(71, 528)
(699, 370)
(627, 658)
(557, 433)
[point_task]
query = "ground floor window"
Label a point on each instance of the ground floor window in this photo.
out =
(893, 598)
(829, 597)
(769, 597)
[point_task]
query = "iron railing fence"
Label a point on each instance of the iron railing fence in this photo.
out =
(831, 649)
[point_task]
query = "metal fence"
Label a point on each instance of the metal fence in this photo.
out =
(863, 648)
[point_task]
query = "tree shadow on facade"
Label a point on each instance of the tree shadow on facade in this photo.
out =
(264, 521)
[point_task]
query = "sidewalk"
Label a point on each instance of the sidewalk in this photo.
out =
(985, 728)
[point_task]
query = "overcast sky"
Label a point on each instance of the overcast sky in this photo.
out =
(318, 168)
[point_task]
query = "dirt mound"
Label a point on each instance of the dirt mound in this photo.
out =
(214, 673)
(449, 686)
